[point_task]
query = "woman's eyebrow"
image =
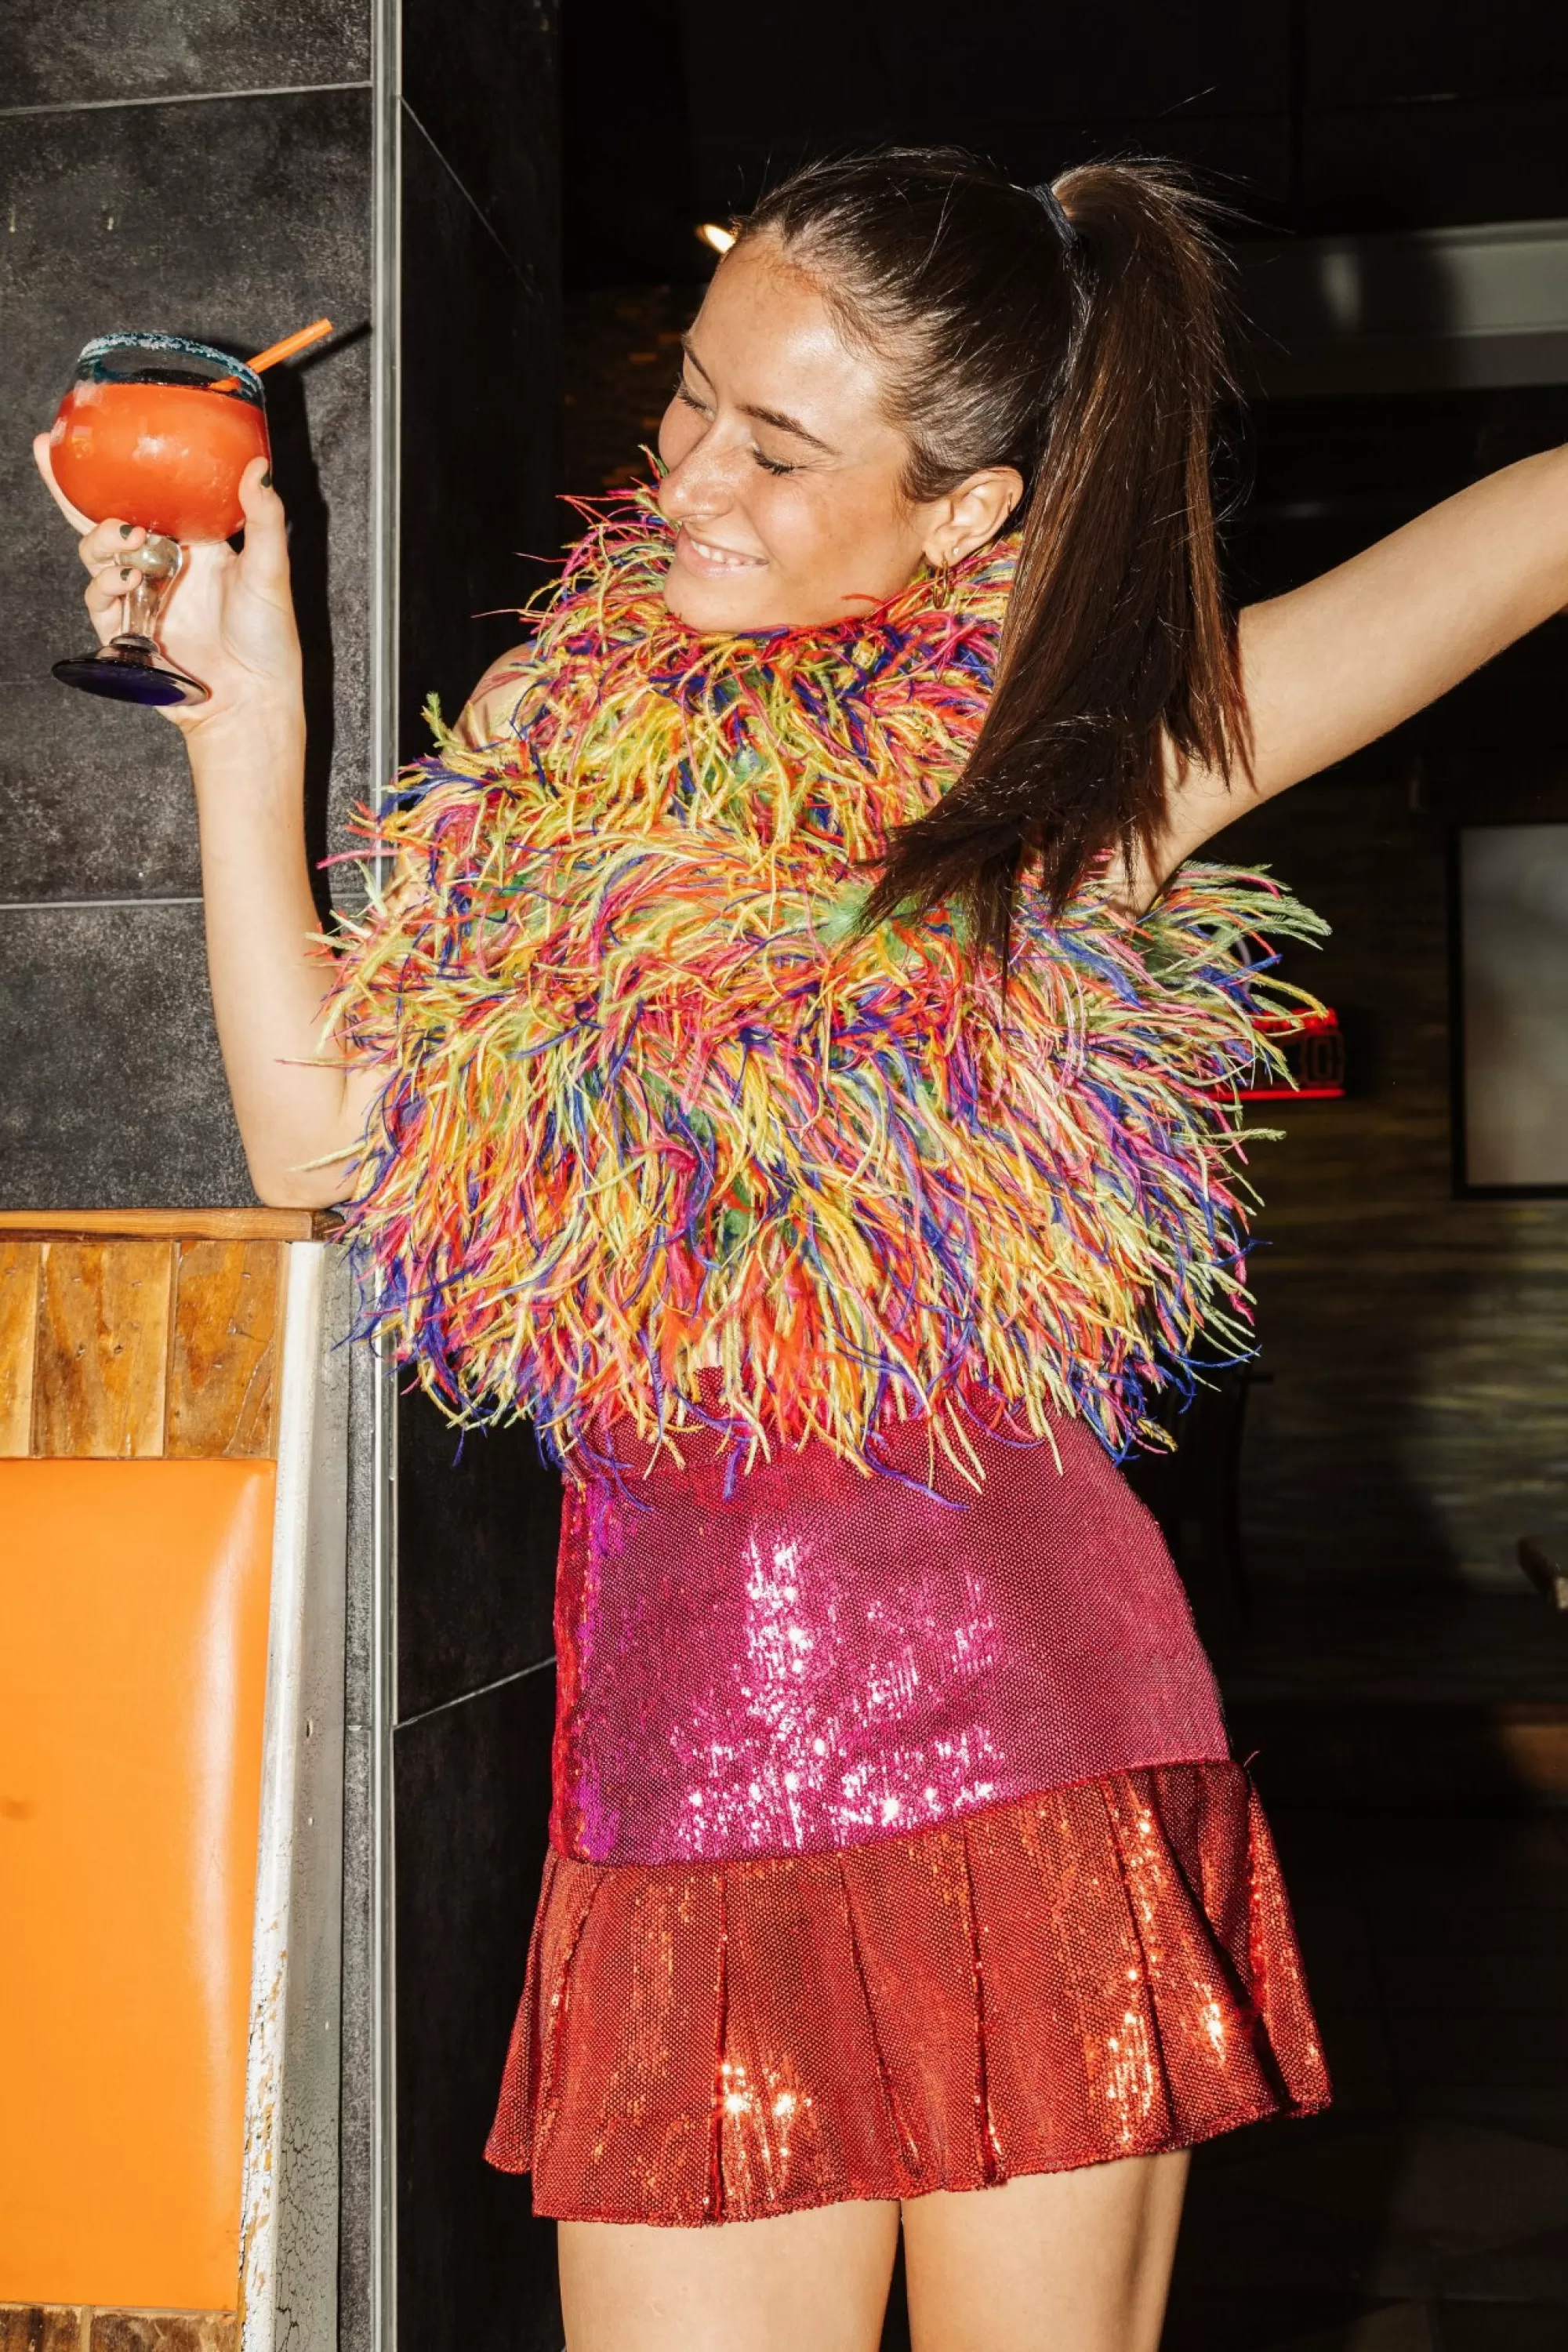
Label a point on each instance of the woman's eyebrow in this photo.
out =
(773, 416)
(690, 347)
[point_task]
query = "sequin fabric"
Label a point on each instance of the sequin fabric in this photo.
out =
(895, 1845)
(819, 1658)
(1103, 1972)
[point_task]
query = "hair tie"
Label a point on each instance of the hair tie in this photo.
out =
(1044, 193)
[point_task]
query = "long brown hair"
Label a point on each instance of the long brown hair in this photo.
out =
(1075, 333)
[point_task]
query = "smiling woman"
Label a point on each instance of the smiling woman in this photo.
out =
(794, 1198)
(794, 1066)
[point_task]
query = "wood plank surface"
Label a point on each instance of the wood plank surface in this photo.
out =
(223, 1352)
(76, 2327)
(102, 1348)
(174, 1225)
(18, 1335)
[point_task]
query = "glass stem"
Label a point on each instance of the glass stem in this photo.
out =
(156, 563)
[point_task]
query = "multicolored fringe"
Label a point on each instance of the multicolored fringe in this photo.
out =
(663, 1136)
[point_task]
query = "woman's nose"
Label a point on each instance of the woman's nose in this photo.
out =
(701, 486)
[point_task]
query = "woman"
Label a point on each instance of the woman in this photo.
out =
(833, 1241)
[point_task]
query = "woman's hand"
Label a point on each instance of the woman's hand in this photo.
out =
(228, 619)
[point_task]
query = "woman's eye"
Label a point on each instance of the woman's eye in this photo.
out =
(684, 394)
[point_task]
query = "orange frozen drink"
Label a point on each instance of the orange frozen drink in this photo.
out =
(166, 456)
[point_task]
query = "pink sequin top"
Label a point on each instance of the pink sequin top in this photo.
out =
(825, 1658)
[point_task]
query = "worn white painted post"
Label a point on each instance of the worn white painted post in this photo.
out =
(289, 2246)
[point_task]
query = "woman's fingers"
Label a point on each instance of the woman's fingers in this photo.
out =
(249, 632)
(109, 542)
(105, 589)
(266, 529)
(73, 515)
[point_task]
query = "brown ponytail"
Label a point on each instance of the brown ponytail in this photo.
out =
(1087, 351)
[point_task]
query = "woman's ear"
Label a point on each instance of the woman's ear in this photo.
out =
(967, 516)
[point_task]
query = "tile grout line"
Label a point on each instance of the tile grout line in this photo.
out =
(77, 906)
(177, 98)
(381, 2217)
(445, 1705)
(519, 270)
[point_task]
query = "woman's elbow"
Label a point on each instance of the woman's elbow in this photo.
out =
(299, 1188)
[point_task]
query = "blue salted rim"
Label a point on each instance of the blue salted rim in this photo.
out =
(134, 339)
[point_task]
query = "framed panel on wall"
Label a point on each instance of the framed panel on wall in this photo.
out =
(1509, 931)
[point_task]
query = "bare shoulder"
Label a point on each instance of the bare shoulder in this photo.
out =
(488, 711)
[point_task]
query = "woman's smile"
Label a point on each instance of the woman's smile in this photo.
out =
(709, 558)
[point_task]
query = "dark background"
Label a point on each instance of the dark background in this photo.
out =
(1318, 117)
(1412, 1429)
(1380, 1652)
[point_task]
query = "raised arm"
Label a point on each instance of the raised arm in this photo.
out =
(301, 1122)
(1335, 663)
(230, 622)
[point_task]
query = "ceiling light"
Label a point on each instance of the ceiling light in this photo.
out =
(717, 238)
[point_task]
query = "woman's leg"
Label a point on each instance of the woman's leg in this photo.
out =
(813, 2282)
(1060, 2262)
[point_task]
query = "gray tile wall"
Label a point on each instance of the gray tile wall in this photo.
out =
(108, 52)
(235, 219)
(210, 168)
(112, 1093)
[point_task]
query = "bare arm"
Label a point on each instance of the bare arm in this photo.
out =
(1337, 663)
(268, 978)
(230, 622)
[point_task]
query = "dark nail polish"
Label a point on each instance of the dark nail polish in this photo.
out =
(266, 479)
(124, 573)
(125, 529)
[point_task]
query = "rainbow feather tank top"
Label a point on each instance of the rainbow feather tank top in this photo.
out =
(665, 1138)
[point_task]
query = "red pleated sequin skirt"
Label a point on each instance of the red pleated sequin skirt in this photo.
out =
(1105, 1971)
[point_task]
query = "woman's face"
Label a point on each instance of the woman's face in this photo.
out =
(784, 477)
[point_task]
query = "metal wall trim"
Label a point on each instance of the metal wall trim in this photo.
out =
(288, 2241)
(386, 167)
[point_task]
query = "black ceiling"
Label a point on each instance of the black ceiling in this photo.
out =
(1314, 115)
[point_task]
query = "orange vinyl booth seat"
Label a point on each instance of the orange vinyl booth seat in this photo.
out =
(138, 1498)
(133, 1678)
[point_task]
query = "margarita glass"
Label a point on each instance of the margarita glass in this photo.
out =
(155, 431)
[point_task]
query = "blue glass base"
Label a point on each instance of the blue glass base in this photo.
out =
(131, 673)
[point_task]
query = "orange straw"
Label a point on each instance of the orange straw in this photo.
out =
(286, 349)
